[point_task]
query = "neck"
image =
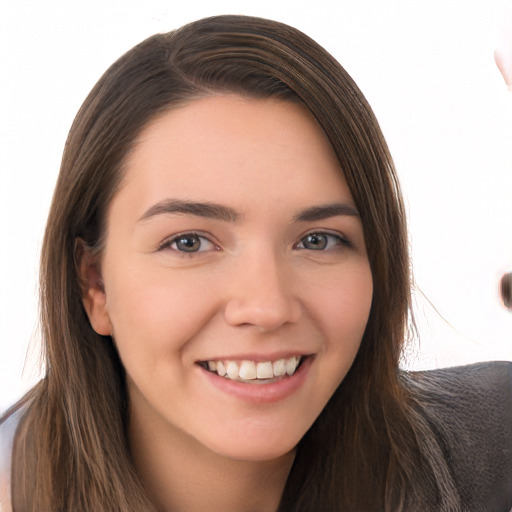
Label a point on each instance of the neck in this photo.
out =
(183, 475)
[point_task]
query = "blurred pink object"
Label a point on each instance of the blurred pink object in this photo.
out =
(503, 53)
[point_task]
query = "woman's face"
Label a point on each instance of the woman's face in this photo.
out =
(234, 245)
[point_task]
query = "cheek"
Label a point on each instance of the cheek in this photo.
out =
(154, 315)
(342, 305)
(344, 312)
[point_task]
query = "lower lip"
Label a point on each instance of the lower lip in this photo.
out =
(261, 393)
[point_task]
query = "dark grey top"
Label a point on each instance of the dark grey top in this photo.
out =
(472, 408)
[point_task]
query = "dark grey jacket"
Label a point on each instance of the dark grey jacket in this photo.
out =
(472, 406)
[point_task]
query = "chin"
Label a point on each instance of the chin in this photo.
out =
(261, 447)
(259, 454)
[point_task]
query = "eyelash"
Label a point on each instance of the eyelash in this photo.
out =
(318, 235)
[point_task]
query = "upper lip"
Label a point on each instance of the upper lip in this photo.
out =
(257, 357)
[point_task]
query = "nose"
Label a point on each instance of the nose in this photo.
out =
(261, 294)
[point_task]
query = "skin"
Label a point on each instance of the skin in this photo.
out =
(254, 289)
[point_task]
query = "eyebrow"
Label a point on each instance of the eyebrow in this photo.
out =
(325, 212)
(200, 209)
(225, 213)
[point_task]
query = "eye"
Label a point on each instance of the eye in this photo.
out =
(189, 243)
(321, 242)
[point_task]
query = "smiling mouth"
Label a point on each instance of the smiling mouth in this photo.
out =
(254, 372)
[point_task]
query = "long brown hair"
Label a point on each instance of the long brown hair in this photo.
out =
(372, 448)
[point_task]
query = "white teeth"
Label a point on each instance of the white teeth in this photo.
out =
(252, 370)
(221, 369)
(232, 370)
(248, 370)
(264, 370)
(279, 367)
(291, 365)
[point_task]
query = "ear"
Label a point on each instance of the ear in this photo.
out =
(94, 298)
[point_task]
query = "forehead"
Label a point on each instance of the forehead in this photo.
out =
(231, 148)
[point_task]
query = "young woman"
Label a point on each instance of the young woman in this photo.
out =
(225, 296)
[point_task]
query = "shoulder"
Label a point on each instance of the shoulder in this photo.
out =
(470, 408)
(8, 425)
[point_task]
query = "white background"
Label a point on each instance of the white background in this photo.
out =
(426, 67)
